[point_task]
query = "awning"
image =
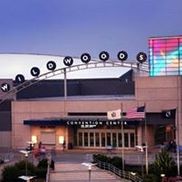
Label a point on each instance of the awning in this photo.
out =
(44, 122)
(158, 119)
(151, 118)
(80, 121)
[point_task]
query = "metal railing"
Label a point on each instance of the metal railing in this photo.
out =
(48, 173)
(49, 159)
(122, 174)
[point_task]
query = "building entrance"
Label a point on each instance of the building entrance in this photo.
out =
(102, 138)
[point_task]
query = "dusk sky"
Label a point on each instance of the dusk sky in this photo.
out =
(72, 27)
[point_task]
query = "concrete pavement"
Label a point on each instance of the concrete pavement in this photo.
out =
(76, 172)
(68, 165)
(69, 168)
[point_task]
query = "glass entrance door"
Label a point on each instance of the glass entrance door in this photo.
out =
(96, 138)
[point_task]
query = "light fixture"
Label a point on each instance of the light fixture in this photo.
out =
(61, 139)
(34, 139)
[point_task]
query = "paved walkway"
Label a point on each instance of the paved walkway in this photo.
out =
(75, 172)
(69, 167)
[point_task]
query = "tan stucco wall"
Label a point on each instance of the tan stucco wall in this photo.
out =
(25, 110)
(31, 110)
(157, 93)
(161, 93)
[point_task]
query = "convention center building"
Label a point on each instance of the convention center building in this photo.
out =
(83, 113)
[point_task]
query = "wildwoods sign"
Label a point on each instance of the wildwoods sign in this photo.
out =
(68, 61)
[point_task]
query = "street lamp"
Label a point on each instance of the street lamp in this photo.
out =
(26, 177)
(133, 173)
(26, 156)
(89, 165)
(141, 149)
(89, 173)
(25, 152)
(163, 176)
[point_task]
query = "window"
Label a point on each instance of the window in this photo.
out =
(126, 140)
(132, 140)
(91, 139)
(85, 139)
(80, 142)
(103, 140)
(120, 139)
(97, 140)
(108, 139)
(114, 144)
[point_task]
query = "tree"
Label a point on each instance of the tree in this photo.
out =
(164, 164)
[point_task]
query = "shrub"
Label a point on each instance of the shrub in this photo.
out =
(117, 162)
(10, 174)
(102, 158)
(21, 166)
(41, 169)
(139, 169)
(1, 161)
(41, 172)
(151, 178)
(43, 164)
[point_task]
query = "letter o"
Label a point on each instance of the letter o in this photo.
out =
(122, 55)
(85, 57)
(51, 65)
(104, 56)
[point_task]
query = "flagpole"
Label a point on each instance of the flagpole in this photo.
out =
(177, 124)
(122, 131)
(146, 143)
(177, 133)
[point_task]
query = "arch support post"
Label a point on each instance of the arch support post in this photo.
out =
(65, 84)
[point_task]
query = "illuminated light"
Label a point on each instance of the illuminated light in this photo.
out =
(162, 54)
(61, 139)
(133, 173)
(34, 139)
(180, 48)
(165, 56)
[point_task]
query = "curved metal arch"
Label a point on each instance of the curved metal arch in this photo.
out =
(139, 67)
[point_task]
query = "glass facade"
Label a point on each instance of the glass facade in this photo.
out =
(105, 138)
(165, 56)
